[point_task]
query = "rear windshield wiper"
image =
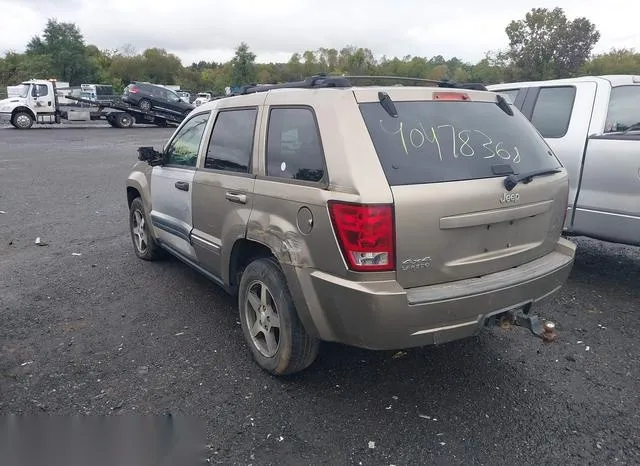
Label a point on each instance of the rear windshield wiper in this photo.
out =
(512, 180)
(504, 105)
(387, 104)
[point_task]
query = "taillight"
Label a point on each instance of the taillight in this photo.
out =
(133, 90)
(365, 234)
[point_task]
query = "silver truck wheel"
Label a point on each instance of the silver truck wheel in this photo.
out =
(272, 329)
(22, 120)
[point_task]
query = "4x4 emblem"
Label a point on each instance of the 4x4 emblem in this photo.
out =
(415, 264)
(509, 198)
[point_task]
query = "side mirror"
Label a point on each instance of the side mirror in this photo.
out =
(34, 92)
(150, 155)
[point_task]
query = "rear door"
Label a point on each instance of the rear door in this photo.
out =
(446, 161)
(157, 95)
(562, 114)
(223, 186)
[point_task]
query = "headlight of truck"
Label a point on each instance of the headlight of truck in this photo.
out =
(5, 109)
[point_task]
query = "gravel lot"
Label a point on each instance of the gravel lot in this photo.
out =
(86, 327)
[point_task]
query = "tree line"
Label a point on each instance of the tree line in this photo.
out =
(545, 44)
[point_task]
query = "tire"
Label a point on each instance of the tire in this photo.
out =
(292, 349)
(22, 120)
(123, 120)
(144, 246)
(144, 105)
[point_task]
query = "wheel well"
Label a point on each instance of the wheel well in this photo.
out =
(22, 110)
(132, 193)
(243, 253)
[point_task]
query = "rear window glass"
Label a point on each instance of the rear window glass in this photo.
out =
(432, 142)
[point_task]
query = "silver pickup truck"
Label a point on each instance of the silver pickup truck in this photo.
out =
(593, 125)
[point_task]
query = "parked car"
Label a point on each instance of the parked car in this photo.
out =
(203, 98)
(380, 217)
(149, 97)
(593, 125)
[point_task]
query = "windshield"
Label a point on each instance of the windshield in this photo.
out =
(432, 142)
(624, 109)
(23, 90)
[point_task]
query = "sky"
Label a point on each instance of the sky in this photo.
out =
(274, 29)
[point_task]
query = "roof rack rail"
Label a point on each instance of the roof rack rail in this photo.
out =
(438, 83)
(324, 80)
(313, 82)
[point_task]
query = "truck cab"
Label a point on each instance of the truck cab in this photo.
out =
(592, 124)
(33, 101)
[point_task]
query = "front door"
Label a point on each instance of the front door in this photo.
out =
(172, 187)
(608, 206)
(42, 98)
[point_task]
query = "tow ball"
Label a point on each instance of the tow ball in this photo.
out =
(546, 330)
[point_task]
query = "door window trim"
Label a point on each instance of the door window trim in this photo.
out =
(322, 182)
(250, 172)
(175, 134)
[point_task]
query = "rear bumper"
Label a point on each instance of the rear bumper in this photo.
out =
(382, 315)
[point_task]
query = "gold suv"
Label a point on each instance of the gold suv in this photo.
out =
(383, 217)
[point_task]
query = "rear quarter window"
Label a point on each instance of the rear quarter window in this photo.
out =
(294, 150)
(433, 142)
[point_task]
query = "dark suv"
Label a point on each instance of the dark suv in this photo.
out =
(149, 97)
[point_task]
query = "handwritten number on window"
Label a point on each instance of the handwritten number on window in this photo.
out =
(398, 131)
(465, 148)
(418, 137)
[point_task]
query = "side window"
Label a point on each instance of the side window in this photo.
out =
(552, 111)
(231, 144)
(624, 109)
(183, 149)
(40, 90)
(294, 150)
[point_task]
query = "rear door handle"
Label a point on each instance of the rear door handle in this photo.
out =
(236, 197)
(182, 185)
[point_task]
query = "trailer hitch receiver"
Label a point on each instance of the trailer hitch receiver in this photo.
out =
(546, 330)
